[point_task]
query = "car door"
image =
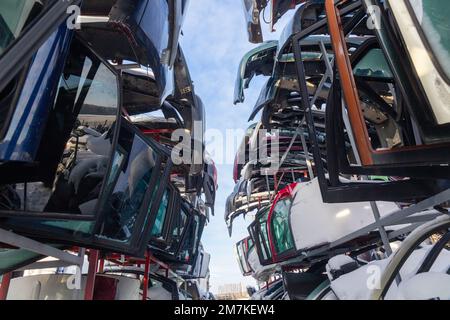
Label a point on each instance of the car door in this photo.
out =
(242, 249)
(25, 25)
(259, 232)
(34, 40)
(145, 32)
(119, 215)
(279, 229)
(126, 208)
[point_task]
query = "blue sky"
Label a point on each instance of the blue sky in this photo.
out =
(214, 41)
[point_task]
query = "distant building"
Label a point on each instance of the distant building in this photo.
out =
(232, 291)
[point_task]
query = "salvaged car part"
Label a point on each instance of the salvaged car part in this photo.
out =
(300, 286)
(81, 164)
(408, 189)
(298, 211)
(54, 287)
(243, 248)
(258, 61)
(128, 31)
(123, 202)
(176, 234)
(25, 26)
(255, 10)
(359, 118)
(418, 260)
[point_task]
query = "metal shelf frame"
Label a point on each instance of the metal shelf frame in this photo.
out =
(63, 257)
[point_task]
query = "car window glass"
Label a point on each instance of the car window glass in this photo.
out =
(83, 164)
(280, 225)
(15, 16)
(161, 215)
(197, 234)
(100, 105)
(180, 221)
(264, 240)
(14, 257)
(242, 257)
(373, 64)
(250, 244)
(123, 206)
(433, 18)
(188, 244)
(264, 236)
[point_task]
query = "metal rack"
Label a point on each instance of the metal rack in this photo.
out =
(403, 216)
(409, 215)
(64, 258)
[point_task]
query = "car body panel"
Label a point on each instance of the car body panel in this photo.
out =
(102, 230)
(309, 214)
(254, 9)
(252, 12)
(146, 32)
(242, 250)
(264, 57)
(400, 257)
(31, 38)
(26, 127)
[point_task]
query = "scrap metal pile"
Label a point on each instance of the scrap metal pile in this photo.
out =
(354, 202)
(92, 203)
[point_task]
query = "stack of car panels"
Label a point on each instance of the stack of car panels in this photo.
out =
(86, 155)
(363, 140)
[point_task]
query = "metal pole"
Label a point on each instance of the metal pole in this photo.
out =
(6, 280)
(327, 75)
(25, 193)
(268, 186)
(19, 241)
(101, 266)
(373, 204)
(307, 157)
(146, 272)
(90, 281)
(381, 229)
(384, 236)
